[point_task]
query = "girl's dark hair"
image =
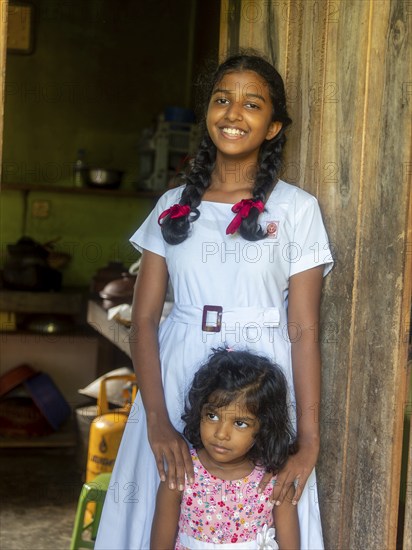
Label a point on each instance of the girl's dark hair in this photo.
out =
(229, 375)
(197, 180)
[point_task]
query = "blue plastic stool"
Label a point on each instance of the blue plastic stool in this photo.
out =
(92, 491)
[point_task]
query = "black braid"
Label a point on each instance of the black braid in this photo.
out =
(198, 179)
(176, 230)
(270, 160)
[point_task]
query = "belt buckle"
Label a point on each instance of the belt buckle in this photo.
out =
(212, 328)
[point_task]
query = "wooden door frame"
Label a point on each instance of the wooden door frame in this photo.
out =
(368, 296)
(3, 51)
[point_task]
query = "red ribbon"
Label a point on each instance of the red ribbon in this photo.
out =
(242, 210)
(175, 211)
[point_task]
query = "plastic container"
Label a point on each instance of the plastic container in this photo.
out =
(14, 377)
(84, 418)
(48, 399)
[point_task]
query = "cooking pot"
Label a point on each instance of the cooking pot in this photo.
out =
(28, 250)
(119, 288)
(110, 272)
(102, 177)
(28, 269)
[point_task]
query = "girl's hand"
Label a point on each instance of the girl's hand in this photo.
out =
(295, 472)
(171, 453)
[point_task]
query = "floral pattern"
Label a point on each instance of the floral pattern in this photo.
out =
(219, 511)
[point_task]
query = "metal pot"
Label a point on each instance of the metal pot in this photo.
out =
(28, 250)
(104, 178)
(110, 272)
(28, 269)
(119, 289)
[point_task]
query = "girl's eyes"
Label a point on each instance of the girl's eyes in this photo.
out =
(238, 423)
(222, 101)
(241, 424)
(225, 101)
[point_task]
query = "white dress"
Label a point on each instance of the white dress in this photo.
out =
(249, 281)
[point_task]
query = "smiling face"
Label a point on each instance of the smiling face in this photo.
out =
(239, 116)
(228, 433)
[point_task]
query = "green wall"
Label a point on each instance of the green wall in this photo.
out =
(101, 71)
(93, 230)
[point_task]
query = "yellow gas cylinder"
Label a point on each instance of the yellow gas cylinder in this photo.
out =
(106, 433)
(106, 430)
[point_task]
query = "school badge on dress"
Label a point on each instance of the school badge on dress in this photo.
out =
(272, 229)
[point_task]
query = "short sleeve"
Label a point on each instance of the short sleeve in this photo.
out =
(149, 235)
(310, 247)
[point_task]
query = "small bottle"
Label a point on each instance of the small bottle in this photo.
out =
(79, 169)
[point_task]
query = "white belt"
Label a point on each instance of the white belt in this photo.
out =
(211, 318)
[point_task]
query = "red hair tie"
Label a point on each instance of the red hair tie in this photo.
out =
(242, 210)
(175, 211)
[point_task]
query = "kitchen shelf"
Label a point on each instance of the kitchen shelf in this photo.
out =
(68, 301)
(26, 188)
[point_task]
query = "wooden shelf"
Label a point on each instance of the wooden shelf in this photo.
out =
(26, 188)
(68, 302)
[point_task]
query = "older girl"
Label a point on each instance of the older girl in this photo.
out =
(246, 254)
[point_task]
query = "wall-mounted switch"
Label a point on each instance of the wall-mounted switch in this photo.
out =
(40, 209)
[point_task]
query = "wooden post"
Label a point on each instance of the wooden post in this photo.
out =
(407, 532)
(3, 51)
(347, 69)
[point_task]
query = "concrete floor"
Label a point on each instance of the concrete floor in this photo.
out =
(39, 490)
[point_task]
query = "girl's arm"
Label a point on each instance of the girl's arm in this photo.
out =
(303, 325)
(166, 443)
(285, 519)
(166, 519)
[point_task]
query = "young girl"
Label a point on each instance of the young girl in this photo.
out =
(246, 254)
(237, 419)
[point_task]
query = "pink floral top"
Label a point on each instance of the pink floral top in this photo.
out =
(219, 511)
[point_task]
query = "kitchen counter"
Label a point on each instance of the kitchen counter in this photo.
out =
(114, 331)
(117, 333)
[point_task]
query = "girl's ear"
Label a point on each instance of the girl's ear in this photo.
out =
(274, 129)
